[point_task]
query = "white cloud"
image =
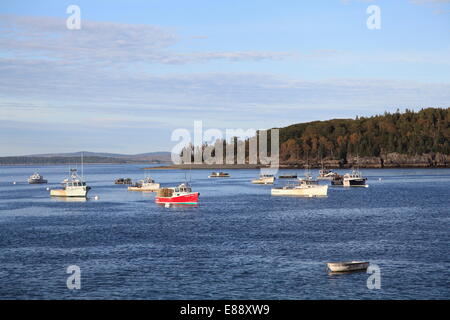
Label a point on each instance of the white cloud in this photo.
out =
(92, 78)
(104, 43)
(51, 91)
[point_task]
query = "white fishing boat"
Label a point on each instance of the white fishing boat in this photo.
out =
(326, 174)
(147, 185)
(72, 187)
(36, 178)
(348, 266)
(265, 179)
(306, 187)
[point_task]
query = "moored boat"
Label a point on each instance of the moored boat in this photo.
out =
(36, 178)
(348, 266)
(354, 179)
(123, 181)
(219, 175)
(338, 180)
(326, 174)
(306, 187)
(182, 194)
(148, 184)
(72, 187)
(265, 179)
(287, 176)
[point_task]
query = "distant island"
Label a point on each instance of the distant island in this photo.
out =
(88, 157)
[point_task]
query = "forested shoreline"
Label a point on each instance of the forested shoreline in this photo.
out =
(400, 139)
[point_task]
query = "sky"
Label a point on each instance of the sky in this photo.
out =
(138, 70)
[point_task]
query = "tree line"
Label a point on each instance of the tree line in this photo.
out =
(408, 132)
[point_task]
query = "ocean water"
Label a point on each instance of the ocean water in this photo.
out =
(238, 243)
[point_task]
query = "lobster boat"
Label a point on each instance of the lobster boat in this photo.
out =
(147, 185)
(354, 179)
(219, 175)
(182, 194)
(72, 187)
(264, 179)
(306, 187)
(326, 174)
(36, 178)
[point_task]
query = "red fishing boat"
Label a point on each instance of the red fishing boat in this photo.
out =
(179, 195)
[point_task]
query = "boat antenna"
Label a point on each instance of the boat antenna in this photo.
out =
(190, 173)
(82, 167)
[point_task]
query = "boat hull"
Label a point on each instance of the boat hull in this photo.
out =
(191, 198)
(325, 178)
(347, 266)
(264, 181)
(76, 192)
(354, 182)
(316, 191)
(148, 188)
(37, 181)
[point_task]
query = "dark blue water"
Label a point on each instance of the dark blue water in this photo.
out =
(239, 243)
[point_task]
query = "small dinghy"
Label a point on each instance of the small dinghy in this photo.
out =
(348, 266)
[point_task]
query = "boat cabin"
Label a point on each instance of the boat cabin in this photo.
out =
(184, 187)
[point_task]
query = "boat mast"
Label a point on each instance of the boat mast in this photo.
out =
(82, 166)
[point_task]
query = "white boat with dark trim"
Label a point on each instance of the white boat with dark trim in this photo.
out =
(72, 187)
(354, 179)
(307, 187)
(36, 178)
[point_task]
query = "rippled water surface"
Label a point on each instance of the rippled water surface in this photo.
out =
(239, 243)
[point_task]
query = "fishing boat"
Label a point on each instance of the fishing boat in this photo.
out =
(306, 187)
(354, 179)
(265, 179)
(288, 176)
(123, 181)
(338, 180)
(72, 187)
(148, 184)
(36, 178)
(219, 175)
(182, 194)
(348, 266)
(326, 174)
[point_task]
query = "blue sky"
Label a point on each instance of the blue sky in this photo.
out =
(137, 70)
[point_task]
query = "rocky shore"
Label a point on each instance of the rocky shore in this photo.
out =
(388, 160)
